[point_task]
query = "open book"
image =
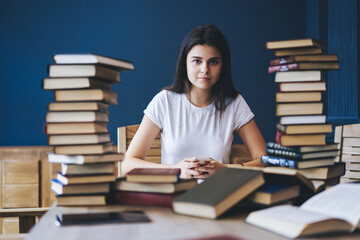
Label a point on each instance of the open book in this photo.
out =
(334, 210)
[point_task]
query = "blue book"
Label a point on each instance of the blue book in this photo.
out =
(303, 149)
(297, 155)
(296, 164)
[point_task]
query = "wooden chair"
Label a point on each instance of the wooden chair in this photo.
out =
(239, 153)
(25, 187)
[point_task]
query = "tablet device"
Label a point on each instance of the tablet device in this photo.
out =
(101, 218)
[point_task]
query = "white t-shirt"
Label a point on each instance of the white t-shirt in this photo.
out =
(190, 131)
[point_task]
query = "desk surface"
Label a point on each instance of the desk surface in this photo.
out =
(165, 225)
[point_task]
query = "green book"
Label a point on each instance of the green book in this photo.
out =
(218, 193)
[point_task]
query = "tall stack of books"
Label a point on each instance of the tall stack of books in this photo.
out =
(76, 123)
(150, 187)
(302, 124)
(348, 136)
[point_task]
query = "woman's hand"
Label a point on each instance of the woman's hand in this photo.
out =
(208, 169)
(188, 168)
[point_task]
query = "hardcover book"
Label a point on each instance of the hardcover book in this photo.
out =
(302, 86)
(153, 175)
(297, 51)
(300, 139)
(85, 159)
(296, 164)
(218, 192)
(322, 173)
(76, 139)
(78, 106)
(116, 63)
(290, 109)
(88, 188)
(80, 116)
(80, 95)
(305, 128)
(81, 200)
(88, 70)
(304, 149)
(84, 149)
(299, 76)
(305, 119)
(269, 194)
(78, 179)
(142, 198)
(325, 212)
(75, 128)
(88, 169)
(181, 185)
(304, 66)
(297, 155)
(305, 58)
(74, 83)
(298, 97)
(294, 43)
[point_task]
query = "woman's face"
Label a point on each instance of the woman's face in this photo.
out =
(203, 64)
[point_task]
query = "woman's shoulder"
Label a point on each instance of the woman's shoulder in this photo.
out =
(235, 101)
(167, 96)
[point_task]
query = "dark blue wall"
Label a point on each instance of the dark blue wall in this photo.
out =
(146, 32)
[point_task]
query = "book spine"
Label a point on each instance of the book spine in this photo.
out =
(281, 61)
(141, 199)
(283, 153)
(283, 68)
(274, 145)
(275, 161)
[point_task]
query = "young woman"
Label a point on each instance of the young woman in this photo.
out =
(198, 115)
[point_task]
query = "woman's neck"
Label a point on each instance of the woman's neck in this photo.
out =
(200, 98)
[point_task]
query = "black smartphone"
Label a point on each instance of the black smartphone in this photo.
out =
(101, 218)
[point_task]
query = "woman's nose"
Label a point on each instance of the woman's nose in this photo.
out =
(204, 68)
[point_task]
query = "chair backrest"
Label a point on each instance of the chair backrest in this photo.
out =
(126, 134)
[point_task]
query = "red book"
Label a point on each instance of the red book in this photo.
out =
(142, 198)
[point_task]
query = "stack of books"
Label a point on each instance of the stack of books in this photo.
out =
(76, 123)
(348, 136)
(302, 123)
(150, 187)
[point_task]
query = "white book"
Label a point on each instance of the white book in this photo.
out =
(335, 210)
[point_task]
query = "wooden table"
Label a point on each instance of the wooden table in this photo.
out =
(164, 225)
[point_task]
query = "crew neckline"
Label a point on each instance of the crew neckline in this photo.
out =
(208, 108)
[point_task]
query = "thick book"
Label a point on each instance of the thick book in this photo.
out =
(76, 139)
(355, 174)
(302, 86)
(322, 173)
(305, 128)
(351, 141)
(78, 116)
(300, 139)
(81, 200)
(75, 128)
(296, 164)
(353, 166)
(84, 159)
(88, 169)
(74, 83)
(304, 66)
(101, 148)
(218, 193)
(294, 43)
(298, 76)
(153, 175)
(116, 63)
(290, 109)
(297, 155)
(87, 188)
(325, 212)
(298, 97)
(78, 106)
(305, 58)
(105, 96)
(142, 198)
(352, 150)
(298, 51)
(269, 194)
(181, 185)
(345, 131)
(305, 119)
(88, 70)
(350, 158)
(304, 149)
(79, 179)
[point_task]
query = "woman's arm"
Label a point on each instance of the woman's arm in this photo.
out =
(139, 147)
(254, 142)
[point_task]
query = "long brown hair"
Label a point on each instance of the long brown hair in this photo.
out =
(224, 88)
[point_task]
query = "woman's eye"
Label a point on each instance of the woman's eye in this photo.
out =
(196, 61)
(214, 62)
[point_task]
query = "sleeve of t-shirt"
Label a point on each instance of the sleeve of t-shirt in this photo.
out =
(155, 109)
(243, 113)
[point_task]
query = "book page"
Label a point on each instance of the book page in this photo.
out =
(341, 201)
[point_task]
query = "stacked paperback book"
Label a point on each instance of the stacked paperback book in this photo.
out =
(348, 136)
(302, 126)
(150, 187)
(76, 123)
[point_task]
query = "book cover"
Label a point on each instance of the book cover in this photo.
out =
(142, 198)
(325, 212)
(302, 86)
(303, 149)
(78, 106)
(78, 116)
(297, 155)
(87, 188)
(269, 194)
(116, 63)
(74, 83)
(218, 192)
(305, 128)
(304, 119)
(76, 139)
(78, 179)
(154, 175)
(296, 164)
(101, 148)
(80, 95)
(298, 97)
(298, 51)
(84, 159)
(291, 109)
(300, 139)
(299, 76)
(81, 200)
(75, 128)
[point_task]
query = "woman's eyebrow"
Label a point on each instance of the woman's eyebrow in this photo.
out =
(213, 58)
